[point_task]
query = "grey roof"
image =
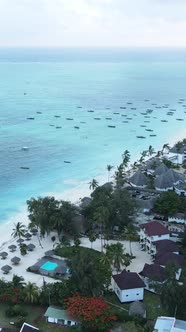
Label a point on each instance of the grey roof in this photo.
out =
(162, 168)
(154, 272)
(137, 308)
(85, 201)
(138, 179)
(30, 246)
(165, 258)
(58, 313)
(181, 150)
(168, 179)
(12, 247)
(27, 235)
(166, 246)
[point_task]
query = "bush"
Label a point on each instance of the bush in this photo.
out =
(15, 311)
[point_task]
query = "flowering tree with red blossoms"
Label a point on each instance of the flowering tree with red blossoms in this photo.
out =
(91, 312)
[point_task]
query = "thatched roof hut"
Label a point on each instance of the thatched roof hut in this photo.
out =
(137, 308)
(15, 260)
(6, 268)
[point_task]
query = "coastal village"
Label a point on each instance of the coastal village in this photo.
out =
(113, 262)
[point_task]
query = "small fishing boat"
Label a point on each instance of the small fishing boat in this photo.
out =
(76, 127)
(52, 125)
(57, 116)
(116, 113)
(67, 162)
(164, 121)
(24, 167)
(112, 126)
(152, 135)
(108, 118)
(25, 148)
(79, 107)
(149, 129)
(122, 107)
(125, 121)
(30, 118)
(82, 122)
(97, 118)
(140, 136)
(143, 126)
(147, 121)
(58, 127)
(90, 111)
(70, 119)
(179, 119)
(39, 112)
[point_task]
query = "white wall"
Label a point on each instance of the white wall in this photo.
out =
(129, 295)
(177, 220)
(55, 320)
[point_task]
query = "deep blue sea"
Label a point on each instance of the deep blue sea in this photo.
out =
(57, 88)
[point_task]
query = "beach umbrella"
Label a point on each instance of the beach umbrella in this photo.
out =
(12, 247)
(49, 253)
(34, 231)
(15, 260)
(28, 236)
(3, 254)
(20, 241)
(6, 268)
(31, 247)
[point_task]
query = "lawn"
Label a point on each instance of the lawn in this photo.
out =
(151, 301)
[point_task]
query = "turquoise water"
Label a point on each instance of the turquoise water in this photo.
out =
(49, 266)
(53, 86)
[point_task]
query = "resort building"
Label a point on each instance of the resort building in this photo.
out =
(169, 258)
(180, 189)
(177, 156)
(179, 218)
(58, 316)
(164, 246)
(151, 232)
(169, 324)
(168, 180)
(152, 274)
(128, 286)
(138, 180)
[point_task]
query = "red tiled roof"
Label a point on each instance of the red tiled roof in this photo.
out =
(154, 272)
(154, 228)
(169, 258)
(128, 280)
(166, 246)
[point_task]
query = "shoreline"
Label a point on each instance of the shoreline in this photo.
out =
(72, 194)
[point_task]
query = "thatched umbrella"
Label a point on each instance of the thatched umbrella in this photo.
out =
(3, 254)
(28, 236)
(15, 260)
(6, 268)
(34, 231)
(31, 247)
(12, 247)
(20, 241)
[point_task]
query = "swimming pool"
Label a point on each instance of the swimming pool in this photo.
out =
(49, 266)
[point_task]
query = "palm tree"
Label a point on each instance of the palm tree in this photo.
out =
(130, 234)
(18, 282)
(150, 150)
(92, 237)
(116, 254)
(101, 216)
(19, 230)
(126, 158)
(119, 176)
(109, 168)
(31, 292)
(93, 184)
(166, 146)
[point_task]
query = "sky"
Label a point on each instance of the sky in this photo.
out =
(92, 23)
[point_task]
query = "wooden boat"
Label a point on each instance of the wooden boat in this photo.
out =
(112, 126)
(140, 136)
(76, 127)
(69, 119)
(67, 162)
(30, 118)
(24, 167)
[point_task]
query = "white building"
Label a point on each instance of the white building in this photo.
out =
(177, 156)
(151, 232)
(59, 316)
(169, 324)
(179, 218)
(128, 286)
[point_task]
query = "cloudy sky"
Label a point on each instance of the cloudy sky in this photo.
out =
(103, 23)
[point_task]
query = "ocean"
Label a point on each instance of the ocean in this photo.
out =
(77, 110)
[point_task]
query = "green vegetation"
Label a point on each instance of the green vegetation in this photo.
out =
(170, 203)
